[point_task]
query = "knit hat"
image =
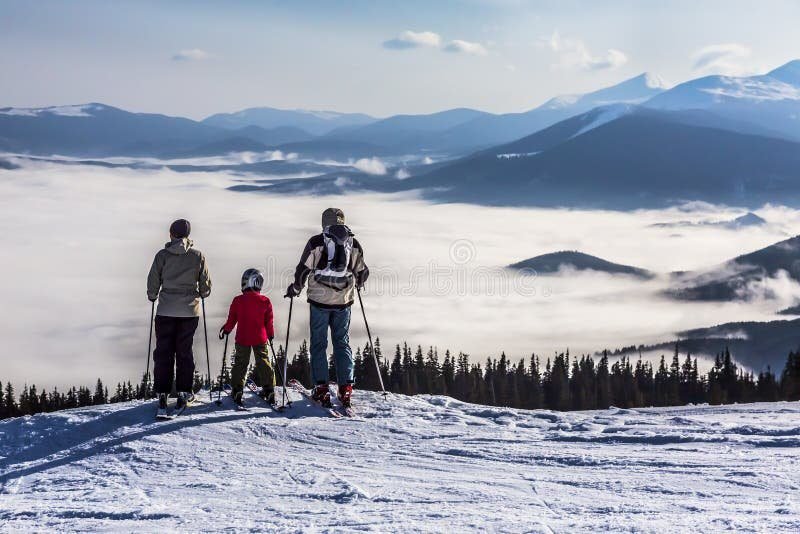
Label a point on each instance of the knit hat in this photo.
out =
(180, 228)
(332, 216)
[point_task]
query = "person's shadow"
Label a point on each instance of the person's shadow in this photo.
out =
(51, 440)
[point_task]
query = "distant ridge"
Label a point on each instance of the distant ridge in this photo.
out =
(555, 261)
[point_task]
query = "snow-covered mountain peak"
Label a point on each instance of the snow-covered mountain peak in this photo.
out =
(561, 101)
(788, 73)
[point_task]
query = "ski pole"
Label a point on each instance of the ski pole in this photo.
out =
(208, 358)
(371, 346)
(275, 367)
(149, 349)
(222, 371)
(286, 353)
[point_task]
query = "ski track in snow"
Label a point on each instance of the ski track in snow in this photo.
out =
(422, 463)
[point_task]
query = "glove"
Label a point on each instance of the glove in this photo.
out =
(292, 291)
(361, 278)
(271, 338)
(223, 333)
(152, 299)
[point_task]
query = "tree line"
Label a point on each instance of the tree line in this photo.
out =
(563, 382)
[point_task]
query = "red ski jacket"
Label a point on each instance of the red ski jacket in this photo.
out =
(253, 312)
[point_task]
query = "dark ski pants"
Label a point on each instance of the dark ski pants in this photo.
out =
(264, 372)
(173, 358)
(339, 323)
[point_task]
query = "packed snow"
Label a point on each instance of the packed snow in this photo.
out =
(422, 463)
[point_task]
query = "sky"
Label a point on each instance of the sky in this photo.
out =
(197, 58)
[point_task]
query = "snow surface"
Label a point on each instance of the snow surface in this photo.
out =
(606, 115)
(409, 464)
(756, 88)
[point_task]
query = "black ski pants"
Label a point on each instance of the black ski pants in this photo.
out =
(173, 358)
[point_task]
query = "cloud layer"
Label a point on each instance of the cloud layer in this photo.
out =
(90, 234)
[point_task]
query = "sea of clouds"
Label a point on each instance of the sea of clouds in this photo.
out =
(78, 241)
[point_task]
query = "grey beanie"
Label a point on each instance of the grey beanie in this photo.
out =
(332, 216)
(180, 228)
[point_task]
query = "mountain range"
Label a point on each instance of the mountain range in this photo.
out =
(636, 144)
(742, 277)
(771, 101)
(624, 157)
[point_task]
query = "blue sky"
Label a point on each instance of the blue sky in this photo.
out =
(197, 58)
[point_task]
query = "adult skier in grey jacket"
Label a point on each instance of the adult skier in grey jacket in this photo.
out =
(333, 264)
(178, 279)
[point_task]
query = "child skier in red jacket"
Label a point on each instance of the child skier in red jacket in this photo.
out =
(252, 311)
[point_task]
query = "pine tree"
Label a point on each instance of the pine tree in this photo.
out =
(11, 409)
(535, 397)
(43, 404)
(72, 398)
(99, 393)
(448, 374)
(432, 372)
(603, 383)
(790, 378)
(396, 372)
(33, 400)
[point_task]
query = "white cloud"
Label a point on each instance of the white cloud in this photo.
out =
(402, 174)
(729, 59)
(465, 47)
(191, 54)
(573, 53)
(411, 39)
(370, 166)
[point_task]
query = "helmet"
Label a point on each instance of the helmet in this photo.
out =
(332, 216)
(252, 279)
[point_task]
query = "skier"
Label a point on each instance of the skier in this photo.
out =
(178, 279)
(336, 260)
(252, 311)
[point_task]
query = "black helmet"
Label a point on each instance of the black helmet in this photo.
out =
(252, 279)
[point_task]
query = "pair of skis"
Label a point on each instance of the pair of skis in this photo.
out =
(274, 405)
(337, 411)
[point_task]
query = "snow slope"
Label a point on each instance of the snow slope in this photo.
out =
(410, 464)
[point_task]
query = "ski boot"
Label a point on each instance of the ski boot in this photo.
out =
(238, 400)
(268, 394)
(162, 406)
(322, 395)
(345, 394)
(184, 399)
